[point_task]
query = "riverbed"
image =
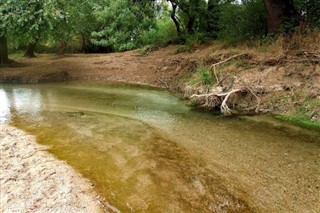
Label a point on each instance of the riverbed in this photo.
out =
(146, 151)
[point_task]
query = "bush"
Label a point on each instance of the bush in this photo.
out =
(162, 34)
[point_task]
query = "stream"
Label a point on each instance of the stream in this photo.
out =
(146, 151)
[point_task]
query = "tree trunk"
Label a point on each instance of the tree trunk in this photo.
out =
(30, 50)
(174, 18)
(190, 24)
(278, 11)
(4, 60)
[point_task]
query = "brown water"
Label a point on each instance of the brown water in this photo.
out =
(145, 151)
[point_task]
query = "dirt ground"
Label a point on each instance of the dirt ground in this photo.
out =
(286, 82)
(34, 181)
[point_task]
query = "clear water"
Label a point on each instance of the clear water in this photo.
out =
(145, 151)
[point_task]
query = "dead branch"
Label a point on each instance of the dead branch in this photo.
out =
(215, 74)
(219, 82)
(226, 60)
(213, 66)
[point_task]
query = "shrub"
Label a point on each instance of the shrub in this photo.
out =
(162, 34)
(205, 76)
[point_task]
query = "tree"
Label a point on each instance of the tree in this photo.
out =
(3, 40)
(122, 23)
(213, 17)
(32, 20)
(309, 12)
(193, 14)
(3, 51)
(173, 16)
(278, 13)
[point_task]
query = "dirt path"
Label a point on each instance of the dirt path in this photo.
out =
(34, 181)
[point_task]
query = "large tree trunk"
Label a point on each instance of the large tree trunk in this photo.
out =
(3, 51)
(279, 12)
(30, 50)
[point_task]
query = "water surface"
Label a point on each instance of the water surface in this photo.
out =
(146, 151)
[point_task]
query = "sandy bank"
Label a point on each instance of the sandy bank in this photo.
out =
(34, 181)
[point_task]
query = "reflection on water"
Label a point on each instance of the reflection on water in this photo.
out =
(4, 107)
(145, 151)
(27, 101)
(152, 107)
(21, 100)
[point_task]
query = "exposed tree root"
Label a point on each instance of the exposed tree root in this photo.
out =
(219, 96)
(214, 99)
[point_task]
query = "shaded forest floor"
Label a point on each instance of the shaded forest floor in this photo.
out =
(286, 83)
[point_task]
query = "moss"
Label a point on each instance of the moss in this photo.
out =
(303, 122)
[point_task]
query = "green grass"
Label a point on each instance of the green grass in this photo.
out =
(306, 123)
(16, 55)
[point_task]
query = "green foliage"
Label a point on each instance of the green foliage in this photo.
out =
(196, 39)
(162, 33)
(205, 76)
(119, 25)
(239, 22)
(191, 42)
(29, 21)
(309, 11)
(122, 23)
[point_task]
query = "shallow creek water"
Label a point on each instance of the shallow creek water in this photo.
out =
(145, 151)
